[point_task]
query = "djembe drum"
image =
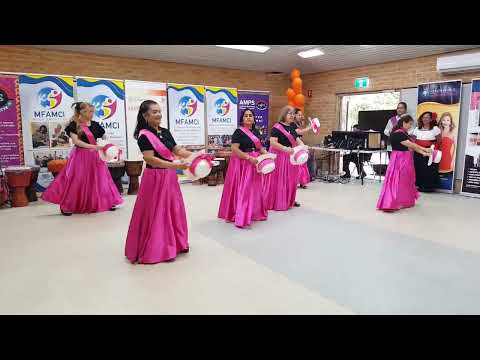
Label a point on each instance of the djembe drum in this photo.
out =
(212, 178)
(18, 178)
(3, 189)
(222, 165)
(117, 170)
(134, 170)
(225, 154)
(31, 192)
(55, 166)
(198, 182)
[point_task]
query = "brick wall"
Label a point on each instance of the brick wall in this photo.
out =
(394, 75)
(46, 61)
(325, 86)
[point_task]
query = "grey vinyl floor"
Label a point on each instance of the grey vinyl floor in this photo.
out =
(334, 255)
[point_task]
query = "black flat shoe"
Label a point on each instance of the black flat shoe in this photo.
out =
(113, 209)
(65, 213)
(185, 251)
(303, 186)
(296, 204)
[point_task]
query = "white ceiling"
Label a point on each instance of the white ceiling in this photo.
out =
(280, 58)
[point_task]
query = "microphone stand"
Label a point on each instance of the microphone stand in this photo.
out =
(358, 163)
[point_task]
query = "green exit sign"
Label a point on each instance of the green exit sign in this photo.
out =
(362, 83)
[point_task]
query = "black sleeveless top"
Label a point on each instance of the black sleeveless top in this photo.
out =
(282, 139)
(164, 135)
(97, 130)
(246, 144)
(396, 138)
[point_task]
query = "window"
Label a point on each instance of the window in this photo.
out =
(352, 104)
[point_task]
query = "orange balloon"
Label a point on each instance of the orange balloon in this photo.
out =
(294, 74)
(297, 85)
(299, 100)
(290, 94)
(291, 103)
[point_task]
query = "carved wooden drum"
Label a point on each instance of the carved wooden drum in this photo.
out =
(18, 179)
(134, 170)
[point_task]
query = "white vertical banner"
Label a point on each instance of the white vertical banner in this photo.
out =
(108, 98)
(186, 113)
(135, 93)
(46, 108)
(471, 168)
(222, 115)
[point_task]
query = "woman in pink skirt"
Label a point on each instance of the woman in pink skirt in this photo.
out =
(242, 198)
(280, 186)
(399, 189)
(303, 173)
(158, 228)
(85, 184)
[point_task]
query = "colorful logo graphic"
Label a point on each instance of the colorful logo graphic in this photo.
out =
(49, 98)
(187, 105)
(104, 107)
(5, 102)
(222, 107)
(261, 105)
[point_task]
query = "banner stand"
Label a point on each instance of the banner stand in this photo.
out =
(443, 99)
(259, 103)
(471, 173)
(221, 105)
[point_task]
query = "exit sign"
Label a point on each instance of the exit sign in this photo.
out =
(362, 83)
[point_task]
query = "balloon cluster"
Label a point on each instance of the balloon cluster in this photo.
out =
(294, 93)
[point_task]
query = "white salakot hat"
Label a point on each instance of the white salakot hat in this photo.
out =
(266, 163)
(300, 155)
(200, 165)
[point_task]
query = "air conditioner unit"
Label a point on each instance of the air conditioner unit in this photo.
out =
(459, 63)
